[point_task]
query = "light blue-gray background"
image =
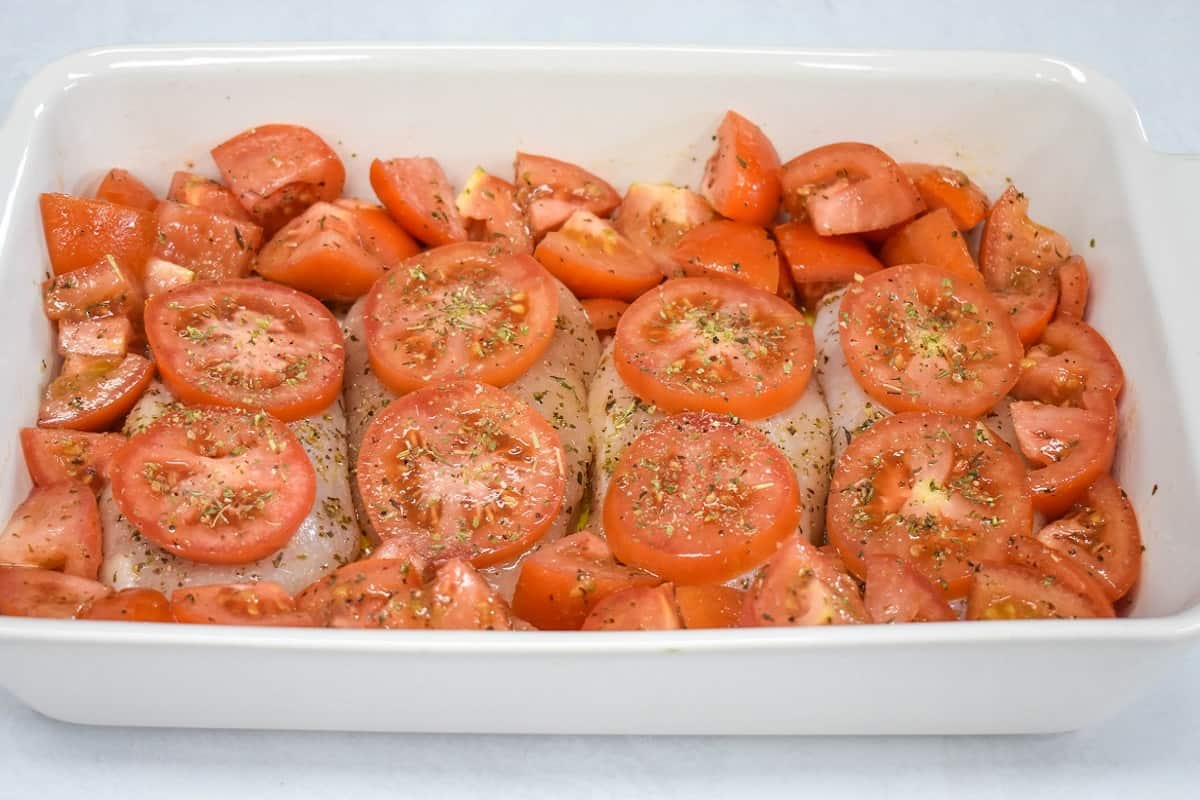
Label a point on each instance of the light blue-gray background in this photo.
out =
(1153, 749)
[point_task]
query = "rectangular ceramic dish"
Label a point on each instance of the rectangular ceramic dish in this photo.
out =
(1066, 136)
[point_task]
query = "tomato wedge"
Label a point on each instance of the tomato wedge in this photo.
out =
(550, 191)
(741, 179)
(80, 232)
(53, 456)
(460, 599)
(418, 195)
(106, 337)
(121, 187)
(214, 485)
(32, 592)
(320, 252)
(655, 216)
(918, 338)
(820, 264)
(211, 245)
(93, 393)
(461, 311)
(1060, 569)
(376, 593)
(941, 491)
(1071, 358)
(700, 498)
(603, 313)
(461, 470)
(1073, 284)
(1015, 591)
(102, 289)
(163, 276)
(247, 343)
(196, 190)
(56, 527)
(638, 608)
(489, 206)
(1100, 534)
(897, 592)
(726, 248)
(715, 345)
(262, 603)
(943, 187)
(848, 187)
(130, 605)
(802, 585)
(561, 582)
(378, 233)
(709, 606)
(933, 239)
(594, 260)
(277, 171)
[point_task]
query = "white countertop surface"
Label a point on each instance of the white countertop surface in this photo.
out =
(1150, 750)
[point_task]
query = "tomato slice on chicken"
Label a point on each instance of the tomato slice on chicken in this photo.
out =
(209, 244)
(700, 498)
(489, 206)
(932, 239)
(53, 456)
(897, 592)
(802, 585)
(551, 191)
(741, 178)
(418, 195)
(215, 485)
(92, 393)
(918, 338)
(32, 592)
(262, 603)
(320, 252)
(80, 232)
(462, 311)
(461, 470)
(130, 605)
(56, 527)
(594, 260)
(196, 190)
(249, 344)
(123, 188)
(941, 491)
(715, 345)
(725, 248)
(943, 187)
(655, 216)
(1071, 358)
(638, 608)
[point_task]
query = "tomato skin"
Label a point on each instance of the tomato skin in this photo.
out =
(1070, 359)
(379, 234)
(53, 456)
(489, 206)
(1073, 284)
(603, 312)
(725, 248)
(211, 245)
(943, 187)
(320, 252)
(92, 393)
(588, 255)
(130, 605)
(417, 194)
(121, 187)
(32, 592)
(638, 608)
(802, 585)
(261, 603)
(1014, 591)
(655, 216)
(80, 232)
(102, 289)
(741, 178)
(55, 527)
(710, 606)
(550, 191)
(195, 190)
(376, 593)
(897, 592)
(932, 238)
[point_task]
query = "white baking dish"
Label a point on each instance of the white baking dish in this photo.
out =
(1068, 137)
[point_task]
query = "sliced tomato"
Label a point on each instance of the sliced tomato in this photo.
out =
(819, 264)
(461, 470)
(1014, 591)
(277, 171)
(211, 245)
(943, 187)
(460, 599)
(700, 498)
(93, 393)
(709, 606)
(741, 179)
(801, 585)
(130, 605)
(103, 336)
(918, 338)
(942, 492)
(489, 206)
(726, 248)
(638, 608)
(561, 582)
(121, 187)
(32, 592)
(594, 260)
(102, 289)
(655, 216)
(550, 191)
(379, 234)
(603, 312)
(418, 195)
(1100, 534)
(53, 456)
(715, 345)
(247, 343)
(376, 593)
(1068, 447)
(163, 276)
(56, 527)
(196, 190)
(461, 311)
(1071, 358)
(1073, 284)
(261, 603)
(80, 232)
(214, 485)
(320, 252)
(1056, 567)
(897, 592)
(848, 187)
(932, 238)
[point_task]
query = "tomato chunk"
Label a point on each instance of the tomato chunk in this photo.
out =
(604, 313)
(130, 605)
(102, 289)
(848, 187)
(419, 197)
(460, 599)
(56, 527)
(1072, 358)
(709, 606)
(80, 232)
(1014, 591)
(489, 206)
(551, 191)
(163, 276)
(655, 216)
(121, 187)
(53, 456)
(262, 603)
(1099, 533)
(730, 249)
(801, 585)
(376, 593)
(196, 190)
(594, 260)
(820, 264)
(932, 238)
(105, 337)
(947, 188)
(93, 393)
(1073, 284)
(321, 252)
(211, 245)
(32, 592)
(741, 179)
(638, 608)
(379, 234)
(897, 592)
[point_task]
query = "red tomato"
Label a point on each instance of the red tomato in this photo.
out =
(816, 259)
(247, 343)
(277, 171)
(462, 311)
(731, 249)
(489, 206)
(30, 592)
(418, 195)
(102, 289)
(379, 234)
(920, 339)
(1073, 283)
(104, 336)
(710, 606)
(946, 188)
(163, 276)
(594, 260)
(801, 585)
(376, 593)
(56, 527)
(1058, 568)
(130, 605)
(700, 498)
(897, 592)
(53, 456)
(561, 582)
(1100, 534)
(655, 216)
(715, 345)
(461, 470)
(787, 287)
(460, 599)
(195, 190)
(92, 394)
(848, 188)
(638, 608)
(932, 239)
(211, 245)
(550, 191)
(741, 179)
(1071, 358)
(604, 313)
(1014, 591)
(320, 252)
(939, 491)
(121, 187)
(214, 485)
(262, 603)
(80, 232)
